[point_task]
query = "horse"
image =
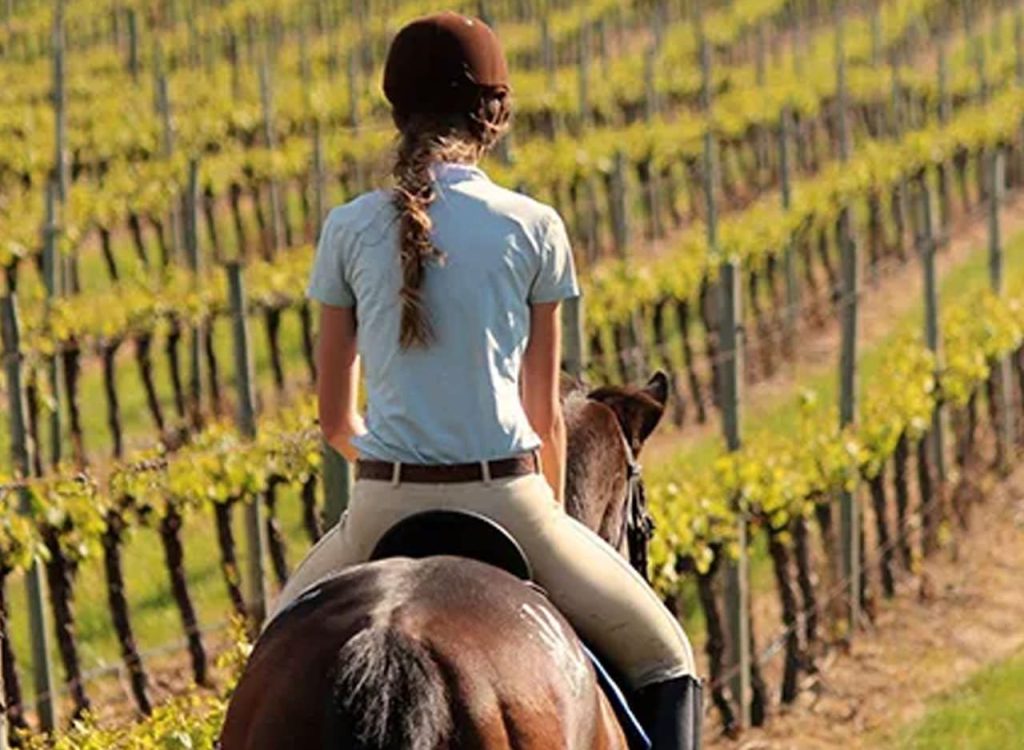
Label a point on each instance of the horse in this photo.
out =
(431, 653)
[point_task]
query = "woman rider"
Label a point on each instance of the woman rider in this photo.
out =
(447, 287)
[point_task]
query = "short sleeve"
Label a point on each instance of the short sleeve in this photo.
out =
(327, 281)
(556, 278)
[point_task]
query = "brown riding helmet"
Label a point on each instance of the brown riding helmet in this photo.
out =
(443, 64)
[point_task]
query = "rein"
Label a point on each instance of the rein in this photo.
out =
(638, 527)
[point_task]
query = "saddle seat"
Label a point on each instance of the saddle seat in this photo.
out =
(458, 533)
(462, 533)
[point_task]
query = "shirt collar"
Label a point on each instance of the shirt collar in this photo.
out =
(448, 173)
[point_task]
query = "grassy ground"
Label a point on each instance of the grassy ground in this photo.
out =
(987, 713)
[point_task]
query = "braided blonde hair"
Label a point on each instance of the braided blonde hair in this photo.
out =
(425, 140)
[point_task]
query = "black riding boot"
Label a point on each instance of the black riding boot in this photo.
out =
(671, 713)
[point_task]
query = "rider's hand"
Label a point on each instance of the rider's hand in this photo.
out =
(342, 441)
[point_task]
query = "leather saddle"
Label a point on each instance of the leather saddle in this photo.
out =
(461, 533)
(458, 533)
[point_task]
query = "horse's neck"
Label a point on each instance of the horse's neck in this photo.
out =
(592, 496)
(595, 466)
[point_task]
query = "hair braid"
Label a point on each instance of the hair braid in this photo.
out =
(413, 194)
(426, 140)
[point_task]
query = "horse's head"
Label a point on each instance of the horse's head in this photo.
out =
(607, 428)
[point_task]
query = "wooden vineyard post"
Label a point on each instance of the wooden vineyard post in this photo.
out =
(4, 743)
(996, 169)
(1018, 44)
(850, 290)
(651, 184)
(51, 279)
(1002, 372)
(337, 478)
(900, 189)
(60, 105)
(305, 64)
(926, 246)
(737, 590)
(547, 52)
(69, 263)
(977, 45)
(737, 603)
(789, 256)
(996, 179)
(39, 627)
(945, 101)
(761, 133)
(3, 704)
(191, 226)
(352, 77)
(163, 108)
(484, 12)
(584, 74)
(651, 104)
(876, 34)
(573, 338)
(619, 205)
(255, 525)
(133, 44)
(319, 178)
(270, 142)
(710, 177)
(945, 113)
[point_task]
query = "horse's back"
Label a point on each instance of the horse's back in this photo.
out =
(426, 654)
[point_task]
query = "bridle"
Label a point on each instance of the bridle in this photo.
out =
(638, 525)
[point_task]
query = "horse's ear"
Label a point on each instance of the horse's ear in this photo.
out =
(657, 387)
(569, 384)
(637, 410)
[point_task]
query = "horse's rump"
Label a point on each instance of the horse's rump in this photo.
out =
(427, 654)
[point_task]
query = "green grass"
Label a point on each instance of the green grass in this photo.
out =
(987, 713)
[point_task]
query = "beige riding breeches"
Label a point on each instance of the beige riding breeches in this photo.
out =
(610, 605)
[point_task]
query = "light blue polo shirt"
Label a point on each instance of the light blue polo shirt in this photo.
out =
(458, 399)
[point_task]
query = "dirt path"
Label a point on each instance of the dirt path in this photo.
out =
(896, 293)
(962, 613)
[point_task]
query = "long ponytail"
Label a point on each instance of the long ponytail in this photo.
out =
(413, 194)
(424, 141)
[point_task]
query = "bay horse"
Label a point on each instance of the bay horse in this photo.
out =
(425, 654)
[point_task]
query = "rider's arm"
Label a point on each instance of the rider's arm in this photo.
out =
(541, 391)
(337, 369)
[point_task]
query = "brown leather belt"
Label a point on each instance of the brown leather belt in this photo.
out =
(521, 465)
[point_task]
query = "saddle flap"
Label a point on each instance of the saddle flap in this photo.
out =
(458, 533)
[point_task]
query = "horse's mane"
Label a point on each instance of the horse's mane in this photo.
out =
(575, 392)
(389, 693)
